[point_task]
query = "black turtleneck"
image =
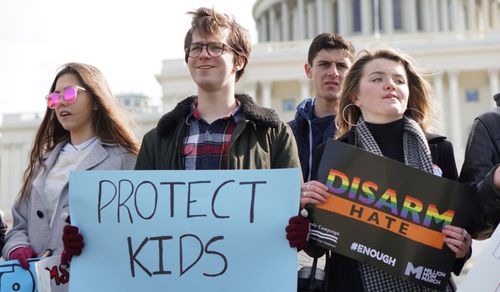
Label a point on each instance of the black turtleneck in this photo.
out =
(389, 138)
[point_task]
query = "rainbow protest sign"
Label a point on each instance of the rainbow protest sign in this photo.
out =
(387, 214)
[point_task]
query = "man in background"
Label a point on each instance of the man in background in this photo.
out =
(329, 58)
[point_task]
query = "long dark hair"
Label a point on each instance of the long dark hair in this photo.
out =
(108, 123)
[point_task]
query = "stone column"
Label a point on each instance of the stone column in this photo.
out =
(301, 16)
(458, 16)
(250, 88)
(471, 15)
(377, 26)
(494, 88)
(259, 29)
(366, 17)
(456, 122)
(304, 88)
(428, 18)
(496, 15)
(265, 27)
(273, 25)
(387, 17)
(311, 31)
(410, 14)
(285, 24)
(319, 17)
(486, 14)
(435, 15)
(266, 93)
(444, 15)
(5, 176)
(13, 162)
(461, 17)
(439, 96)
(295, 24)
(329, 24)
(343, 16)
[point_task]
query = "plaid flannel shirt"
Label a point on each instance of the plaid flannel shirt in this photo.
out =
(206, 145)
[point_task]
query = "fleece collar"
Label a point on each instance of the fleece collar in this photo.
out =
(260, 116)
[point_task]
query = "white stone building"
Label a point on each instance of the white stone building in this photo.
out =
(458, 41)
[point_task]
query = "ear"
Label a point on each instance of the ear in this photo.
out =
(96, 108)
(307, 69)
(239, 63)
(355, 101)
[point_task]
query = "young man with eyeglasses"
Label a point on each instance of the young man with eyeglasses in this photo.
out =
(218, 129)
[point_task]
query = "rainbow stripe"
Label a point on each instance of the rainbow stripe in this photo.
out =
(413, 206)
(368, 188)
(432, 212)
(342, 188)
(389, 200)
(354, 188)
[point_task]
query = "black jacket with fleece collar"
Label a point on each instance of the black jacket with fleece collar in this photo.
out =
(260, 140)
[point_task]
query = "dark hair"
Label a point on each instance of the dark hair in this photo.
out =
(328, 40)
(108, 123)
(209, 22)
(420, 104)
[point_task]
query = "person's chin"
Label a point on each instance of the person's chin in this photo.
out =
(207, 86)
(332, 96)
(67, 128)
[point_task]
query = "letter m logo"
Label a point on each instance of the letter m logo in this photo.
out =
(411, 270)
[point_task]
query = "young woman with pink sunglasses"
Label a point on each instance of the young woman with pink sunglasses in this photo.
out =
(82, 130)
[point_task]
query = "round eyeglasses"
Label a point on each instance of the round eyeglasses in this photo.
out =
(214, 49)
(68, 96)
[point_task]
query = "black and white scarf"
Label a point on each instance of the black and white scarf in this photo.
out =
(416, 150)
(416, 154)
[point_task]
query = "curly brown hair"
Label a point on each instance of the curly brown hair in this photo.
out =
(209, 22)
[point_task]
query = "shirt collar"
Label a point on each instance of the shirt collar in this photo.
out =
(195, 114)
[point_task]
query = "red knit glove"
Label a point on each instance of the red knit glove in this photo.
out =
(22, 254)
(73, 243)
(297, 232)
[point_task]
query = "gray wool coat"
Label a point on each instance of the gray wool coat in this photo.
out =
(31, 227)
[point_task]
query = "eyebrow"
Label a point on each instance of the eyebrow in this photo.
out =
(206, 43)
(384, 73)
(64, 88)
(331, 61)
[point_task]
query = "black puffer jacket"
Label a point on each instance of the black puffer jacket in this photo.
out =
(482, 157)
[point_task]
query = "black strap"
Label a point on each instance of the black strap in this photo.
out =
(328, 258)
(312, 276)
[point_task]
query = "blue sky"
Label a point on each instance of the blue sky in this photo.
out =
(126, 39)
